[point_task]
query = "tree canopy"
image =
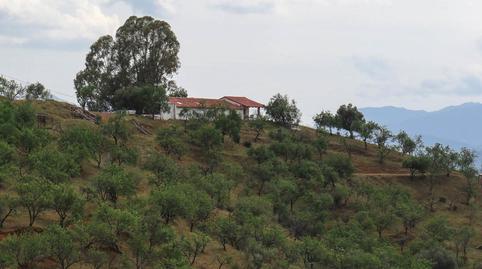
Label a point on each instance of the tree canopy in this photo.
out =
(136, 64)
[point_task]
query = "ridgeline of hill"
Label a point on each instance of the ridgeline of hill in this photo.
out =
(131, 192)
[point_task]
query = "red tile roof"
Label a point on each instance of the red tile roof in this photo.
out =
(243, 101)
(189, 102)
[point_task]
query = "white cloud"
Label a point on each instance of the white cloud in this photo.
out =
(11, 40)
(59, 19)
(167, 5)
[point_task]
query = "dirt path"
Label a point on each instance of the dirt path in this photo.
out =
(383, 174)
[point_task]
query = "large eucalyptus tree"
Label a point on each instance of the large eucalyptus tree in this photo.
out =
(141, 57)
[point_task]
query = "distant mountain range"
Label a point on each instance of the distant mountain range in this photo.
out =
(457, 126)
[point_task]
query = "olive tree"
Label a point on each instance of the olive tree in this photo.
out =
(382, 138)
(348, 116)
(283, 111)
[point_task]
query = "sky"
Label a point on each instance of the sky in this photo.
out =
(418, 54)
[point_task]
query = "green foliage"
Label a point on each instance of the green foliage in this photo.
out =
(145, 99)
(325, 120)
(349, 118)
(7, 153)
(406, 144)
(24, 250)
(321, 145)
(62, 246)
(226, 231)
(207, 138)
(258, 125)
(341, 164)
(382, 138)
(170, 141)
(199, 207)
(172, 201)
(54, 165)
(210, 141)
(113, 182)
(440, 258)
(80, 142)
(260, 154)
(283, 111)
(439, 230)
(165, 170)
(10, 89)
(193, 245)
(29, 140)
(218, 187)
(416, 164)
(229, 124)
(8, 206)
(442, 159)
(175, 91)
(117, 128)
(37, 91)
(112, 66)
(366, 130)
(314, 253)
(35, 195)
(67, 203)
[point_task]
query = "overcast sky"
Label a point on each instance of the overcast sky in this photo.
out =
(422, 54)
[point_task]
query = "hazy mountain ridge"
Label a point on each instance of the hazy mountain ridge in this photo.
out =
(457, 126)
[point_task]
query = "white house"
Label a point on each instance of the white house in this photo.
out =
(241, 105)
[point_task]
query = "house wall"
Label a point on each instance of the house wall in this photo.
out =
(174, 112)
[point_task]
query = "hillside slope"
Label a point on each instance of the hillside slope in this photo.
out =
(263, 250)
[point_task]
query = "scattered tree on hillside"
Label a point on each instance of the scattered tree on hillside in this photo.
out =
(24, 249)
(35, 195)
(67, 203)
(283, 111)
(321, 144)
(462, 238)
(466, 164)
(37, 91)
(10, 89)
(381, 210)
(416, 164)
(170, 141)
(171, 202)
(326, 120)
(210, 141)
(194, 245)
(342, 165)
(258, 125)
(8, 206)
(63, 246)
(165, 170)
(438, 166)
(382, 138)
(349, 118)
(117, 128)
(366, 130)
(405, 143)
(229, 124)
(113, 182)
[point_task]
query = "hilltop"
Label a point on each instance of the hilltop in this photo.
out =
(335, 205)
